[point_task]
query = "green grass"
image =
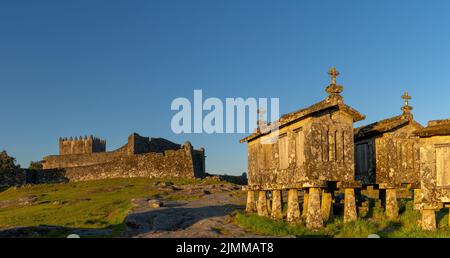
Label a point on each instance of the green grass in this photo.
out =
(375, 223)
(93, 204)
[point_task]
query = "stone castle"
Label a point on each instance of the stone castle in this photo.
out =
(86, 158)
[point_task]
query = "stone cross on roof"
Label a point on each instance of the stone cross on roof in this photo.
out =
(261, 122)
(333, 88)
(406, 108)
(334, 73)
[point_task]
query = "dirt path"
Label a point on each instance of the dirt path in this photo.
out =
(208, 216)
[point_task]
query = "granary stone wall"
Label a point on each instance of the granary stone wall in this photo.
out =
(398, 162)
(331, 148)
(435, 172)
(319, 149)
(390, 159)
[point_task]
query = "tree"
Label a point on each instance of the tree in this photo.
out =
(35, 165)
(7, 163)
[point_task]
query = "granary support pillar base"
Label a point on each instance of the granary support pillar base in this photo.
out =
(261, 206)
(251, 202)
(269, 202)
(449, 216)
(305, 202)
(391, 204)
(349, 205)
(428, 221)
(276, 205)
(314, 218)
(293, 209)
(327, 205)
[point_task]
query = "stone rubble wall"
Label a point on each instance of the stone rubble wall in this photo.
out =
(13, 177)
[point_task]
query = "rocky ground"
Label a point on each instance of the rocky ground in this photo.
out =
(203, 208)
(207, 215)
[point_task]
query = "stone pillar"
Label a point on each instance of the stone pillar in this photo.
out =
(251, 202)
(428, 221)
(327, 205)
(383, 198)
(391, 204)
(269, 203)
(305, 202)
(293, 210)
(314, 218)
(277, 212)
(350, 205)
(261, 206)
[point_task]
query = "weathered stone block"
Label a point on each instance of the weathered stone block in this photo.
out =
(350, 205)
(251, 202)
(154, 203)
(293, 210)
(314, 218)
(262, 204)
(428, 221)
(305, 202)
(276, 212)
(327, 205)
(391, 204)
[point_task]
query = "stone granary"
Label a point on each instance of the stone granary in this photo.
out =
(434, 192)
(86, 158)
(312, 151)
(387, 156)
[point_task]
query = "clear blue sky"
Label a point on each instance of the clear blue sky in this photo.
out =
(109, 68)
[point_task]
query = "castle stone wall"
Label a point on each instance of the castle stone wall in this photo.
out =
(76, 160)
(140, 157)
(171, 163)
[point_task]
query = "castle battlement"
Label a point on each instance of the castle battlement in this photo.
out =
(81, 145)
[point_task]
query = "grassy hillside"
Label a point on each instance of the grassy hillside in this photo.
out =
(94, 204)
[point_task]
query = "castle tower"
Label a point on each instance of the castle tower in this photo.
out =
(81, 145)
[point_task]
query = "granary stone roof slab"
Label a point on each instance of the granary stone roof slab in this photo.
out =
(435, 128)
(326, 104)
(386, 125)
